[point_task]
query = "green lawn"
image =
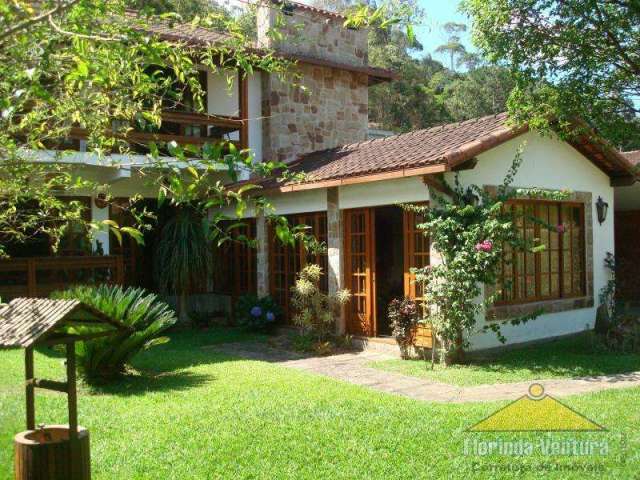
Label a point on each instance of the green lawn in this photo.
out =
(204, 415)
(564, 358)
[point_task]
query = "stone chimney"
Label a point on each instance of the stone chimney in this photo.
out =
(310, 31)
(332, 109)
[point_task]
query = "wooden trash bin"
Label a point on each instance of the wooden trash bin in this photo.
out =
(48, 453)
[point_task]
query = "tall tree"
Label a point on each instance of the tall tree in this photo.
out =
(482, 91)
(570, 58)
(453, 47)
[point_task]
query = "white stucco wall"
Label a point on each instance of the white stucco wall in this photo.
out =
(102, 236)
(387, 192)
(255, 115)
(222, 96)
(223, 99)
(551, 164)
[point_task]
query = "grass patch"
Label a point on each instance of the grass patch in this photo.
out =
(202, 414)
(564, 358)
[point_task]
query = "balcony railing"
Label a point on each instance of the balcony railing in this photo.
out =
(39, 276)
(176, 125)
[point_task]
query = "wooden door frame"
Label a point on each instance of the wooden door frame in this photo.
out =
(370, 277)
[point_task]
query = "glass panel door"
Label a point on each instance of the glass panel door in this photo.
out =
(359, 271)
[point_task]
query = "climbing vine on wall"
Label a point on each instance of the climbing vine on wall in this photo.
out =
(470, 229)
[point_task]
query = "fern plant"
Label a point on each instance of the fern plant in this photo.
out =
(104, 358)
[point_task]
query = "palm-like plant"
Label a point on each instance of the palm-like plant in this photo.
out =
(106, 357)
(183, 257)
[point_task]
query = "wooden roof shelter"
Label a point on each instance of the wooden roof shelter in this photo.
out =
(30, 322)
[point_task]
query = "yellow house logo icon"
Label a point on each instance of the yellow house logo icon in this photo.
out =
(536, 412)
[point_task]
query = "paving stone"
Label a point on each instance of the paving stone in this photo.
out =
(351, 368)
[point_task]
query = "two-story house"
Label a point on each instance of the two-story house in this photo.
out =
(261, 111)
(352, 188)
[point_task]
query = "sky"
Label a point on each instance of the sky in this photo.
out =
(436, 14)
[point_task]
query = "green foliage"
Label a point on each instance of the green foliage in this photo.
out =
(258, 314)
(273, 417)
(484, 90)
(570, 58)
(427, 93)
(102, 359)
(453, 47)
(607, 295)
(183, 256)
(388, 14)
(469, 230)
(403, 315)
(618, 326)
(29, 209)
(64, 67)
(316, 311)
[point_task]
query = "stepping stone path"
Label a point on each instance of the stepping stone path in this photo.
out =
(352, 368)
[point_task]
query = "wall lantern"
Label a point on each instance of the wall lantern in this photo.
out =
(602, 208)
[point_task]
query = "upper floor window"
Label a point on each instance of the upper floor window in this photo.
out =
(557, 271)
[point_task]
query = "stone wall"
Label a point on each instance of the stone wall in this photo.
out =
(332, 108)
(330, 111)
(311, 33)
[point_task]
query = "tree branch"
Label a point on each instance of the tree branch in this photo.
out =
(97, 38)
(59, 8)
(614, 42)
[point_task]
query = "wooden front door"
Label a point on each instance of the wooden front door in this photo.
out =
(359, 259)
(416, 255)
(416, 252)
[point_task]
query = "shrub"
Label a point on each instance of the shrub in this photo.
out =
(101, 359)
(403, 317)
(623, 333)
(315, 310)
(260, 314)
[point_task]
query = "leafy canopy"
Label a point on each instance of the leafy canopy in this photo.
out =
(91, 66)
(570, 58)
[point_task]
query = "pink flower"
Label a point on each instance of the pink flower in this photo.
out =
(484, 246)
(560, 228)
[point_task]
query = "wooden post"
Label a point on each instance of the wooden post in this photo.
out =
(119, 270)
(29, 388)
(71, 390)
(32, 290)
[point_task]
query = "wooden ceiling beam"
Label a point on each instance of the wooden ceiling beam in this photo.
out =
(436, 181)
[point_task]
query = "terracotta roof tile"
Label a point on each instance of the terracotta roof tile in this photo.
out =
(442, 145)
(321, 11)
(413, 153)
(181, 32)
(174, 31)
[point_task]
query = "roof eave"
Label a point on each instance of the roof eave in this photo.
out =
(368, 178)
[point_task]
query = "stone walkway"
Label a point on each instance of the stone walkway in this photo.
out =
(351, 367)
